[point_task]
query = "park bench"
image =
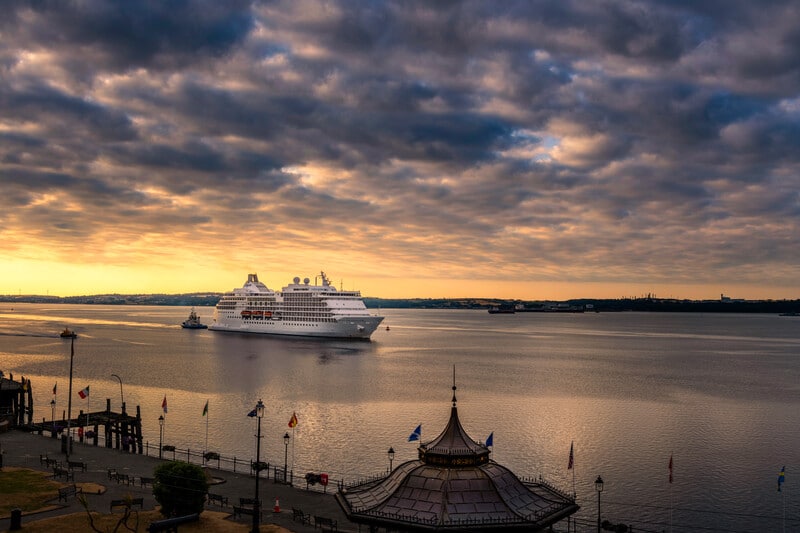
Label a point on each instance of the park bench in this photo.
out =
(171, 524)
(218, 499)
(249, 502)
(128, 502)
(63, 472)
(52, 462)
(66, 492)
(43, 459)
(123, 478)
(239, 511)
(77, 464)
(299, 516)
(144, 481)
(323, 523)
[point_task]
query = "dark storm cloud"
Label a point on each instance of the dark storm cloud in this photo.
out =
(536, 130)
(142, 33)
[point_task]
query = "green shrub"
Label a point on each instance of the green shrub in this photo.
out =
(180, 488)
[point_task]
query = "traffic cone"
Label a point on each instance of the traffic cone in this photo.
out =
(277, 508)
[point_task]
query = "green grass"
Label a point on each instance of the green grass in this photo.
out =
(25, 489)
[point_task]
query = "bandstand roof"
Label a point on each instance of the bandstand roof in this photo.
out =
(454, 486)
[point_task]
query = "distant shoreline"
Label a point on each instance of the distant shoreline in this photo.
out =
(589, 305)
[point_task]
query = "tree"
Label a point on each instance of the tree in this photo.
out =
(180, 488)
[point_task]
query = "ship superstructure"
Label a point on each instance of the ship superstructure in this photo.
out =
(317, 310)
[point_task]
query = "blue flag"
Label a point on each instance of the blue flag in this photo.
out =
(416, 434)
(252, 413)
(490, 439)
(781, 475)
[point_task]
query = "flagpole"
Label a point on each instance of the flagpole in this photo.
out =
(670, 508)
(208, 415)
(670, 492)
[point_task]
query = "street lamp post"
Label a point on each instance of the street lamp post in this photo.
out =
(160, 434)
(598, 486)
(53, 415)
(257, 504)
(121, 397)
(391, 458)
(69, 398)
(285, 454)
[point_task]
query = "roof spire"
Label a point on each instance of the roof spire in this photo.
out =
(454, 385)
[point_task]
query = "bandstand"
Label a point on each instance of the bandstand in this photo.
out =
(455, 486)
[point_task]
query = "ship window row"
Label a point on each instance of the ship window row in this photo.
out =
(294, 319)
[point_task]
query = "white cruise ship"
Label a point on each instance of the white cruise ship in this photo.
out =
(298, 309)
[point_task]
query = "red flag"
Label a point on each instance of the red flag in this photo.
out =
(84, 393)
(293, 420)
(571, 458)
(54, 388)
(670, 468)
(164, 404)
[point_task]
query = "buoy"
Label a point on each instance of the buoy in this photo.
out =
(277, 508)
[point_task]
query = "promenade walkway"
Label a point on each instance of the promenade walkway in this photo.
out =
(24, 449)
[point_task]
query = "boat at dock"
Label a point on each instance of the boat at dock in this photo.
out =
(193, 322)
(301, 309)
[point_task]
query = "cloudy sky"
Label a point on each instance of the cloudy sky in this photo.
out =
(533, 149)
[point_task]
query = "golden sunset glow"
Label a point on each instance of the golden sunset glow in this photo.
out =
(519, 157)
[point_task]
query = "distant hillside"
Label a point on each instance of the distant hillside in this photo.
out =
(198, 299)
(587, 304)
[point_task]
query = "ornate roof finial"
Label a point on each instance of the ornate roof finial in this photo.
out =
(454, 385)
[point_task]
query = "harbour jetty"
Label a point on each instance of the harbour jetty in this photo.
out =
(16, 401)
(120, 430)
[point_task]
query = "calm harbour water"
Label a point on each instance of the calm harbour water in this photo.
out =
(720, 393)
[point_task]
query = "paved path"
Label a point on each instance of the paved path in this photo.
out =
(23, 450)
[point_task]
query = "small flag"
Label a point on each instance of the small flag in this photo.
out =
(416, 434)
(670, 469)
(84, 393)
(781, 475)
(164, 404)
(205, 409)
(571, 462)
(293, 420)
(54, 388)
(490, 439)
(253, 413)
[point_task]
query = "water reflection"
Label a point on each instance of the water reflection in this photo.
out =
(717, 391)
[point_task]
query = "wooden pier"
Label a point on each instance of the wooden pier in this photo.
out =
(16, 401)
(121, 430)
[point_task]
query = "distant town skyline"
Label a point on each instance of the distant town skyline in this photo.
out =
(525, 150)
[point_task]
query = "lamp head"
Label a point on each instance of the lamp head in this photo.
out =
(160, 420)
(286, 438)
(391, 452)
(598, 484)
(260, 409)
(52, 403)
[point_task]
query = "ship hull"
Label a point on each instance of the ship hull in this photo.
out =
(357, 327)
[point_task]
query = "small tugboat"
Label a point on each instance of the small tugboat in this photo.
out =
(67, 333)
(193, 322)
